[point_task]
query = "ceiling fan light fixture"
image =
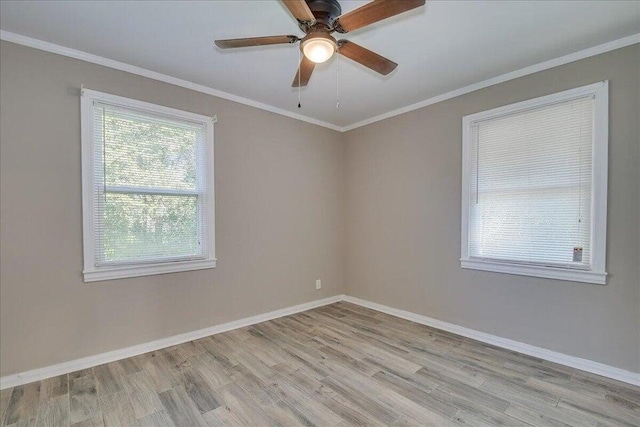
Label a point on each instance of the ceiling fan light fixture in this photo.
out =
(318, 47)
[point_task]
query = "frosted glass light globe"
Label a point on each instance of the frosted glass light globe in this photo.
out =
(318, 49)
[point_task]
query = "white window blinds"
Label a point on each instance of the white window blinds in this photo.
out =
(530, 185)
(148, 185)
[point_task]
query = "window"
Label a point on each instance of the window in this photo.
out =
(534, 187)
(147, 189)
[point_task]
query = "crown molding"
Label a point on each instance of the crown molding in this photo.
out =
(95, 59)
(572, 57)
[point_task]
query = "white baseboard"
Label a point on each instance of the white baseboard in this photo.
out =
(111, 356)
(531, 350)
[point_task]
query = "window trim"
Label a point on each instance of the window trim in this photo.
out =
(94, 273)
(596, 272)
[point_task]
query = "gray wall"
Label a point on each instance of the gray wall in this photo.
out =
(374, 213)
(403, 197)
(279, 218)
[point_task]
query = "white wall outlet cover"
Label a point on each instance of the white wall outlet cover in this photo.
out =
(318, 284)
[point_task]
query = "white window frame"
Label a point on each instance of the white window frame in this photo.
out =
(596, 272)
(91, 271)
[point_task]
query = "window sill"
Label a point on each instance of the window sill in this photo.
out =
(121, 272)
(586, 276)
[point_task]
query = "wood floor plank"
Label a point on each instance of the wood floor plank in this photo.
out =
(213, 419)
(284, 414)
(605, 415)
(180, 408)
(108, 378)
(237, 402)
(199, 391)
(177, 361)
(5, 396)
(157, 367)
(474, 419)
(382, 341)
(368, 352)
(221, 347)
(259, 390)
(622, 401)
(349, 413)
(211, 370)
(517, 393)
(468, 398)
(83, 399)
(537, 370)
(23, 404)
(188, 349)
(305, 401)
(254, 365)
(142, 394)
(308, 384)
(363, 401)
(54, 412)
(53, 387)
(80, 373)
(416, 394)
(157, 419)
(442, 373)
(90, 422)
(474, 405)
(117, 410)
(339, 365)
(25, 423)
(222, 417)
(336, 356)
(488, 370)
(131, 365)
(610, 386)
(413, 411)
(549, 417)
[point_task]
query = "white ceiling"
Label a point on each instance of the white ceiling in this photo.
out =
(440, 47)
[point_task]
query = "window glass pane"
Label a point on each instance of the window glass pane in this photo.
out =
(142, 150)
(144, 159)
(530, 189)
(141, 227)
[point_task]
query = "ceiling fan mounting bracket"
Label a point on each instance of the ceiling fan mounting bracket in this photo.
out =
(326, 12)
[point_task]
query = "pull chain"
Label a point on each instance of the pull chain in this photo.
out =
(338, 77)
(299, 69)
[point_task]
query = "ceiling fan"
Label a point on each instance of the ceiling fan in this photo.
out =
(318, 19)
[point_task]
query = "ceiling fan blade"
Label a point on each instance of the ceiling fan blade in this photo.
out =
(304, 72)
(375, 11)
(300, 10)
(366, 57)
(255, 41)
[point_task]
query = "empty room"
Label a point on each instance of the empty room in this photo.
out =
(319, 213)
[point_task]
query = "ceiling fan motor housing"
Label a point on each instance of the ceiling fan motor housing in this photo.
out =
(325, 12)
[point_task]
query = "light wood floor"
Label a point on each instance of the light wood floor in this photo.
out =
(337, 365)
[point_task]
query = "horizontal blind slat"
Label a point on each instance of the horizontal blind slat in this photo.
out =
(148, 186)
(530, 191)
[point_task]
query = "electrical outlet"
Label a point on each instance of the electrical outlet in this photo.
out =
(318, 284)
